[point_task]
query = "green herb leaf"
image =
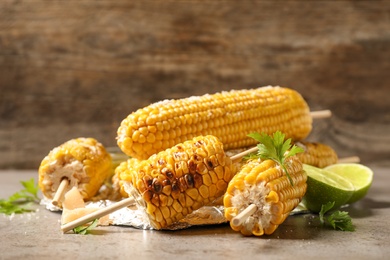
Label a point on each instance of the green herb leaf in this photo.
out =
(275, 148)
(83, 230)
(338, 220)
(21, 201)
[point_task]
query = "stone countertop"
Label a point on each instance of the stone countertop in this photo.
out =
(38, 235)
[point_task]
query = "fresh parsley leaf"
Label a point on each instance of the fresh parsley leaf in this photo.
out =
(275, 148)
(83, 230)
(338, 220)
(20, 201)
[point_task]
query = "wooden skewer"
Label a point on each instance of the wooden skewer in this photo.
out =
(60, 191)
(97, 214)
(352, 159)
(321, 114)
(237, 220)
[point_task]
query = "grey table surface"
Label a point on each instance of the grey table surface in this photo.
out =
(38, 235)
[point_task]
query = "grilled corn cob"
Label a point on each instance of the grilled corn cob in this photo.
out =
(265, 184)
(83, 161)
(174, 182)
(229, 116)
(317, 154)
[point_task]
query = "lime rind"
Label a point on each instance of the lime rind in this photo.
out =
(325, 186)
(359, 175)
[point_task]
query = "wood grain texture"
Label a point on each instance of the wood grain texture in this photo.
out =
(77, 68)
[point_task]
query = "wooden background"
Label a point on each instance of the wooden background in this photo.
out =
(77, 68)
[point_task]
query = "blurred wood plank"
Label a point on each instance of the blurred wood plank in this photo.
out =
(76, 68)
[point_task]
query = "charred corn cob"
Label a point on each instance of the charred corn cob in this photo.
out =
(229, 116)
(173, 183)
(83, 161)
(317, 154)
(264, 184)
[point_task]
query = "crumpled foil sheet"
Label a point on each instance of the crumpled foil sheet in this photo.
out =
(136, 217)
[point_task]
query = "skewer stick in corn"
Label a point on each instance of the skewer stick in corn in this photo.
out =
(83, 162)
(228, 115)
(321, 114)
(97, 214)
(60, 191)
(351, 159)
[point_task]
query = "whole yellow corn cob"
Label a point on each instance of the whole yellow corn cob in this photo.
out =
(264, 184)
(229, 116)
(317, 154)
(173, 183)
(83, 161)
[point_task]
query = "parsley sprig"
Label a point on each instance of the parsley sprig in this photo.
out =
(21, 201)
(275, 148)
(84, 229)
(338, 220)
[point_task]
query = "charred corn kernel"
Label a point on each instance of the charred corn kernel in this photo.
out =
(83, 161)
(271, 192)
(317, 154)
(183, 192)
(229, 116)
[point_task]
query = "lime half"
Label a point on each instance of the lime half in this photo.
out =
(359, 175)
(325, 186)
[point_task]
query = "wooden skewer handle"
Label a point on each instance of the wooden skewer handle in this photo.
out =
(352, 159)
(97, 214)
(321, 114)
(237, 220)
(60, 191)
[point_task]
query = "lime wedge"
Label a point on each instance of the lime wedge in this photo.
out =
(325, 186)
(359, 175)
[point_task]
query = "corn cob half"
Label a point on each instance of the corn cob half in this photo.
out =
(229, 116)
(83, 161)
(265, 184)
(316, 154)
(173, 183)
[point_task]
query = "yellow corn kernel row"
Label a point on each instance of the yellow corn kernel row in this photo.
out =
(317, 154)
(121, 174)
(173, 183)
(229, 116)
(83, 161)
(266, 185)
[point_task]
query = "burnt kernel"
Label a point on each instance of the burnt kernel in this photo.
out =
(175, 190)
(199, 143)
(148, 182)
(192, 166)
(166, 182)
(167, 172)
(197, 180)
(183, 184)
(189, 180)
(209, 164)
(147, 195)
(155, 200)
(157, 187)
(197, 158)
